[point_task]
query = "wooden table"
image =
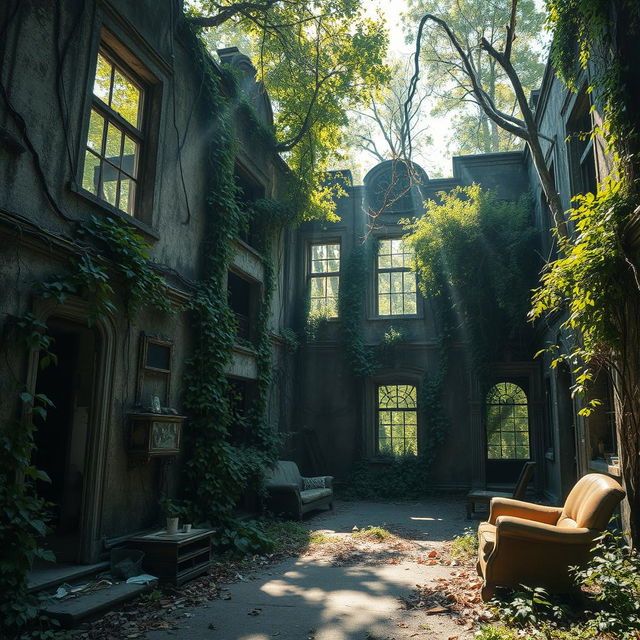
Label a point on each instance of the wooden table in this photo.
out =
(175, 558)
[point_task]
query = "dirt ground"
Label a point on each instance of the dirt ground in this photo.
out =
(352, 582)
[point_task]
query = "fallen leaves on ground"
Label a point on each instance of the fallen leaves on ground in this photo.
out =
(458, 595)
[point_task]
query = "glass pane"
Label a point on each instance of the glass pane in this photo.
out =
(397, 431)
(125, 98)
(114, 140)
(396, 304)
(384, 305)
(102, 80)
(318, 287)
(90, 173)
(384, 262)
(493, 452)
(333, 251)
(410, 303)
(318, 251)
(334, 266)
(332, 307)
(333, 285)
(96, 130)
(396, 260)
(410, 432)
(411, 447)
(108, 187)
(409, 280)
(384, 282)
(396, 282)
(522, 453)
(384, 447)
(130, 157)
(127, 195)
(158, 356)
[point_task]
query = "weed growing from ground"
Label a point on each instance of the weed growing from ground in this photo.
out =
(374, 534)
(465, 547)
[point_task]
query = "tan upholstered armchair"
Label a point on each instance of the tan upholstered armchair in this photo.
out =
(524, 543)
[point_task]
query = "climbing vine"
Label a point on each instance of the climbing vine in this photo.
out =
(351, 306)
(219, 468)
(593, 286)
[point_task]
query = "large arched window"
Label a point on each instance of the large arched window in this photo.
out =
(507, 423)
(397, 420)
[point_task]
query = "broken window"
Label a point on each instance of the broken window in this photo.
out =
(114, 140)
(397, 420)
(396, 283)
(507, 422)
(324, 280)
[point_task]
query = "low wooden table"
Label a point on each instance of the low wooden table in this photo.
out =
(175, 558)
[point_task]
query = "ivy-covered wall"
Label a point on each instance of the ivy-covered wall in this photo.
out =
(192, 146)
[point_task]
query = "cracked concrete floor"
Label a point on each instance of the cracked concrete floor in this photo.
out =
(314, 598)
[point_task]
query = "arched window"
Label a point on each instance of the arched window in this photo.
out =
(507, 423)
(397, 420)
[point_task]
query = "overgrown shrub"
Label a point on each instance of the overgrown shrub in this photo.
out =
(613, 578)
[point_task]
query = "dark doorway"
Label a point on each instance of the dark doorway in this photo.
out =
(61, 440)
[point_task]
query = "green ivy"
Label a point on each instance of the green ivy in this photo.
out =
(351, 307)
(217, 470)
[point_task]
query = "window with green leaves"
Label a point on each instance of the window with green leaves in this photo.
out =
(324, 279)
(397, 420)
(112, 152)
(507, 423)
(396, 283)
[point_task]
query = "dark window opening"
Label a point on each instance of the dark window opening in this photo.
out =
(248, 191)
(580, 148)
(243, 300)
(154, 372)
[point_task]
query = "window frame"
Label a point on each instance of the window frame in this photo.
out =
(378, 409)
(139, 68)
(581, 154)
(487, 404)
(378, 270)
(327, 274)
(144, 369)
(111, 116)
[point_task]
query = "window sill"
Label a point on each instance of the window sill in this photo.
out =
(602, 466)
(414, 316)
(143, 227)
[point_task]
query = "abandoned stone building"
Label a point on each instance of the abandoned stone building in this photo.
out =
(103, 115)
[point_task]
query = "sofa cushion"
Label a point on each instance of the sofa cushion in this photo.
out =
(285, 472)
(311, 495)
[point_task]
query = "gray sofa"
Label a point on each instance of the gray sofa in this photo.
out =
(290, 494)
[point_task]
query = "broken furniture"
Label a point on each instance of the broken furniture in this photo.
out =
(478, 495)
(290, 493)
(525, 543)
(175, 558)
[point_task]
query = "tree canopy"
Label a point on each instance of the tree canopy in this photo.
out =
(317, 61)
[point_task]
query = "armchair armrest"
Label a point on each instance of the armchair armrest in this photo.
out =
(523, 529)
(525, 510)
